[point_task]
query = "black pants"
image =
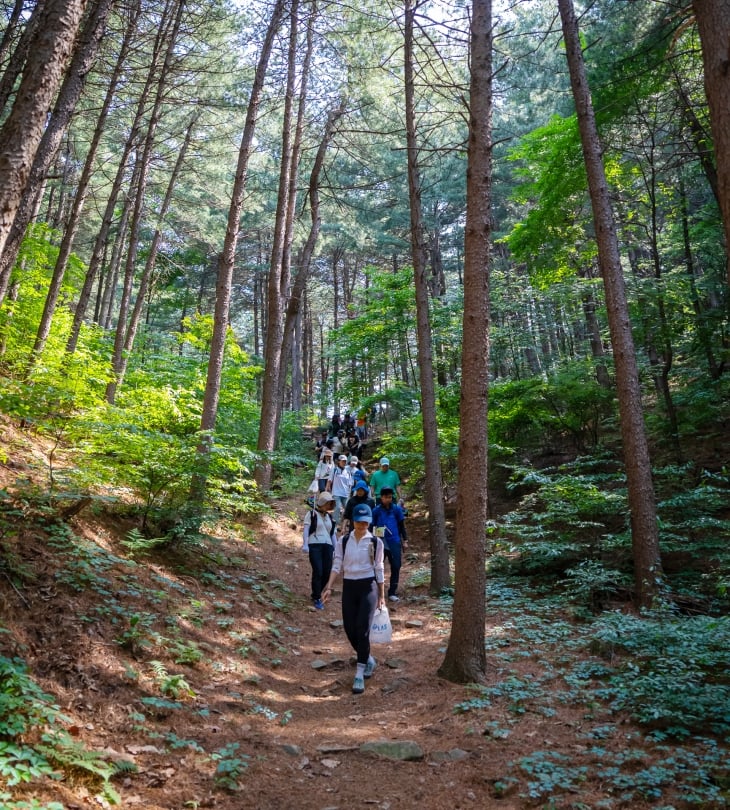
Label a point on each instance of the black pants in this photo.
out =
(320, 558)
(359, 600)
(393, 555)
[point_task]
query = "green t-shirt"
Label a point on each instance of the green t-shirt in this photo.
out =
(380, 479)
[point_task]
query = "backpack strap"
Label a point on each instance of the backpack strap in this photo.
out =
(372, 550)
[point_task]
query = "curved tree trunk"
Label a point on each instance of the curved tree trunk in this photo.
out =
(644, 529)
(466, 659)
(440, 575)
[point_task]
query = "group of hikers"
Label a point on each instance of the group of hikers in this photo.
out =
(355, 523)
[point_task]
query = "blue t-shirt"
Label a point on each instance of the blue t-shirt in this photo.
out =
(389, 518)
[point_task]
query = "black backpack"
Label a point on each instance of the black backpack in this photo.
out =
(313, 527)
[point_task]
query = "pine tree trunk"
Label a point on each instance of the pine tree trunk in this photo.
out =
(18, 56)
(465, 660)
(279, 275)
(49, 53)
(228, 255)
(122, 169)
(642, 504)
(440, 575)
(118, 361)
(713, 25)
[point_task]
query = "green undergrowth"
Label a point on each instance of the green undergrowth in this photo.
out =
(161, 612)
(650, 697)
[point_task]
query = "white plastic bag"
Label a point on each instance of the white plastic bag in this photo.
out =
(381, 630)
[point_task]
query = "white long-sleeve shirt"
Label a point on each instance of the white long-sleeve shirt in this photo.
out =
(358, 562)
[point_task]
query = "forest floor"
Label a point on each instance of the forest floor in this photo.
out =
(211, 681)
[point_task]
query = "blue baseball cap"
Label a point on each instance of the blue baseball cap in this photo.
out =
(360, 484)
(362, 513)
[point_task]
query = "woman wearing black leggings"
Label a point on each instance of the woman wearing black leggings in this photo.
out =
(359, 556)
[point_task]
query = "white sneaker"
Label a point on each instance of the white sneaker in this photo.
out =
(393, 598)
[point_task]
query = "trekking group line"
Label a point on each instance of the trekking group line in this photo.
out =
(355, 523)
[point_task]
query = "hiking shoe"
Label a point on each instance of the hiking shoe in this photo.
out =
(393, 598)
(318, 604)
(370, 667)
(358, 685)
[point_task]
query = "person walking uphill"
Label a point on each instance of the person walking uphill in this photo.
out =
(359, 556)
(318, 539)
(389, 523)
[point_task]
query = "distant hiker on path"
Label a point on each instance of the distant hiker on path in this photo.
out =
(385, 477)
(359, 556)
(389, 523)
(324, 470)
(360, 494)
(319, 540)
(340, 485)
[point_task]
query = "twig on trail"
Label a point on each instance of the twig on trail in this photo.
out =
(12, 585)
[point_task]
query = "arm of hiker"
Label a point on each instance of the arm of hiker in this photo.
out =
(305, 531)
(336, 568)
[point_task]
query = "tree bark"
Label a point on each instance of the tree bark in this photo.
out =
(440, 574)
(20, 136)
(228, 255)
(642, 504)
(111, 203)
(136, 223)
(465, 659)
(279, 274)
(17, 59)
(713, 26)
(73, 84)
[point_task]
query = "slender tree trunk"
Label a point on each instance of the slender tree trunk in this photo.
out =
(118, 363)
(112, 274)
(144, 283)
(228, 255)
(19, 54)
(714, 369)
(49, 53)
(294, 303)
(713, 25)
(642, 504)
(440, 575)
(465, 659)
(279, 274)
(111, 203)
(73, 84)
(82, 190)
(10, 29)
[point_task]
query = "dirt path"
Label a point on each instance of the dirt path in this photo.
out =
(404, 701)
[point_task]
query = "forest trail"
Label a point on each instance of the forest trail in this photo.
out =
(215, 683)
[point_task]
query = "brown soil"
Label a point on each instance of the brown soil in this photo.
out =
(244, 603)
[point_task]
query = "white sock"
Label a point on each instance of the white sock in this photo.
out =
(360, 670)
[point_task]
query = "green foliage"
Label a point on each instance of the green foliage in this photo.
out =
(33, 804)
(25, 709)
(230, 767)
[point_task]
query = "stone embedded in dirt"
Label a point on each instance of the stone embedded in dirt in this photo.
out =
(335, 748)
(394, 686)
(143, 749)
(318, 663)
(294, 750)
(454, 755)
(395, 663)
(336, 623)
(402, 750)
(330, 763)
(414, 623)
